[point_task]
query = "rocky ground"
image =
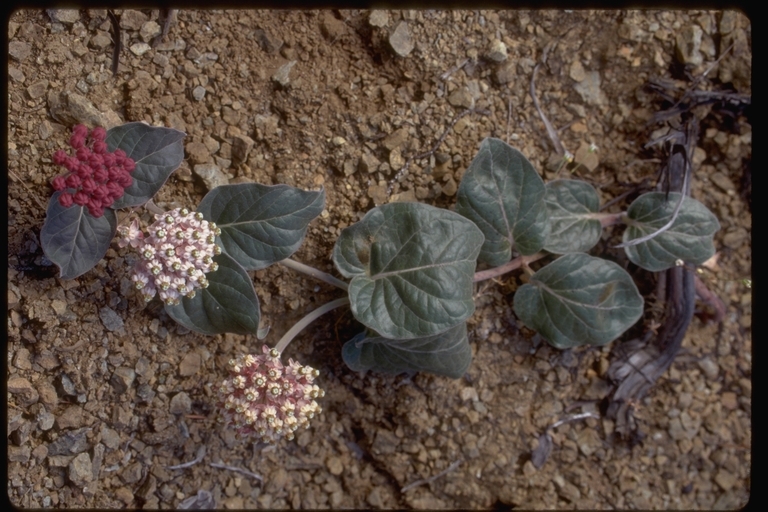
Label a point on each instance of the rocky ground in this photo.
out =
(108, 399)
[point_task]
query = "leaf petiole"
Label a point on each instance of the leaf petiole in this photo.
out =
(311, 271)
(507, 267)
(304, 322)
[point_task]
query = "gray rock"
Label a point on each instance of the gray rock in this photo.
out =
(395, 139)
(733, 239)
(198, 153)
(132, 473)
(368, 163)
(109, 437)
(65, 16)
(709, 367)
(16, 74)
(122, 379)
(71, 443)
(80, 470)
(47, 393)
(72, 417)
(37, 89)
(198, 93)
(45, 420)
(133, 20)
(18, 453)
(241, 148)
(140, 49)
(145, 393)
(181, 404)
(401, 41)
(190, 364)
(461, 97)
(66, 386)
(379, 18)
(149, 31)
(590, 90)
(70, 108)
(22, 389)
(268, 43)
(282, 75)
(98, 458)
(211, 175)
(110, 319)
(722, 181)
(688, 45)
(19, 50)
(20, 436)
(506, 72)
(100, 41)
(22, 360)
(230, 116)
(385, 442)
(497, 51)
(45, 130)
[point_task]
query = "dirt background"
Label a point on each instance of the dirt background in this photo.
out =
(105, 396)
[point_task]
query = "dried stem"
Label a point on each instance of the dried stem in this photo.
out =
(198, 458)
(432, 478)
(236, 470)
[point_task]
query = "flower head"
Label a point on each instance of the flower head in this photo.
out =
(95, 178)
(267, 400)
(167, 265)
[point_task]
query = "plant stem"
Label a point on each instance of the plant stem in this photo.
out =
(609, 219)
(507, 267)
(304, 322)
(317, 274)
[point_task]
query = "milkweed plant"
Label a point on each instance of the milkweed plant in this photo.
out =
(407, 269)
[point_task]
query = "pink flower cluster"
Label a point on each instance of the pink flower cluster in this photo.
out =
(267, 400)
(96, 177)
(176, 255)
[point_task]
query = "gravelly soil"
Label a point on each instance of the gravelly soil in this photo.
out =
(106, 396)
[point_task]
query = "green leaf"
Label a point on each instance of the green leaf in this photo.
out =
(503, 194)
(571, 205)
(447, 354)
(157, 152)
(579, 299)
(73, 239)
(229, 304)
(261, 224)
(690, 238)
(411, 267)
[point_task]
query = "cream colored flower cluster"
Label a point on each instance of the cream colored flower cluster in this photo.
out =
(176, 255)
(266, 399)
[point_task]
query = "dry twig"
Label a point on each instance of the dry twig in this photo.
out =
(198, 458)
(432, 478)
(220, 465)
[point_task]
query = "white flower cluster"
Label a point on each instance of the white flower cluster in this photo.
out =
(267, 400)
(176, 255)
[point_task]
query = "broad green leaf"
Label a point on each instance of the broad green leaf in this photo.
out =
(571, 205)
(73, 239)
(229, 304)
(503, 194)
(579, 299)
(157, 152)
(261, 224)
(411, 267)
(447, 354)
(690, 238)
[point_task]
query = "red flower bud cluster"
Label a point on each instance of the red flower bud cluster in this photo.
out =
(96, 178)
